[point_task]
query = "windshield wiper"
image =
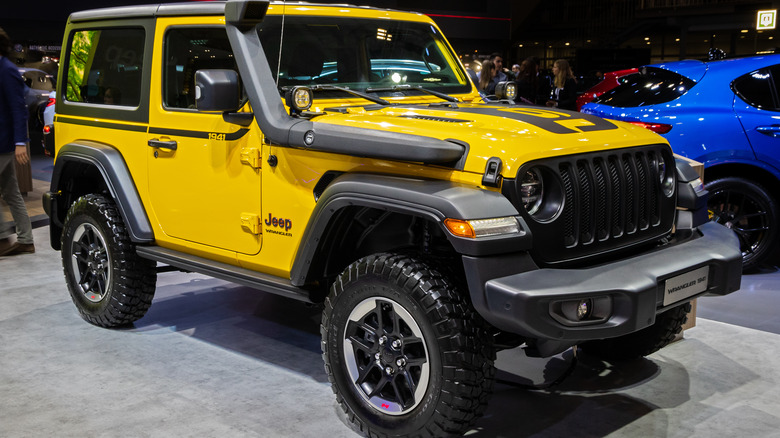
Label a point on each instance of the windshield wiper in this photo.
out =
(352, 92)
(404, 87)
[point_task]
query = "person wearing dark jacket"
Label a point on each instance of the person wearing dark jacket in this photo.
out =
(564, 92)
(13, 146)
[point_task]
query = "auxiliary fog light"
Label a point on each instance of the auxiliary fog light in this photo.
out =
(299, 98)
(506, 90)
(482, 227)
(577, 311)
(582, 311)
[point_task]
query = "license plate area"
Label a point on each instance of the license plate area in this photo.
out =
(686, 285)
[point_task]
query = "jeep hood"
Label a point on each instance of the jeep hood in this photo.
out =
(456, 135)
(515, 134)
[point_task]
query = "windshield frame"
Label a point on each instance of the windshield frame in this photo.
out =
(364, 48)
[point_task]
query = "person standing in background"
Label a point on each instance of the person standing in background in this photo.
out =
(527, 82)
(564, 92)
(13, 146)
(499, 75)
(486, 86)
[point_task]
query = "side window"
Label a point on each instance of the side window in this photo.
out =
(105, 66)
(187, 50)
(756, 89)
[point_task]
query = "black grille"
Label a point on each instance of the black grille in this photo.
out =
(597, 203)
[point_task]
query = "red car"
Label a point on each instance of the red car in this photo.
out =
(610, 81)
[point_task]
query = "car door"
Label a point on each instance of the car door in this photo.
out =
(204, 185)
(758, 109)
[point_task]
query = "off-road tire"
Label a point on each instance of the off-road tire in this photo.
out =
(454, 346)
(751, 212)
(643, 342)
(108, 282)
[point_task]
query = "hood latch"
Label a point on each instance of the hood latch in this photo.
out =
(492, 175)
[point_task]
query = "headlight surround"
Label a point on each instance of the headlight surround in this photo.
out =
(665, 170)
(532, 190)
(538, 189)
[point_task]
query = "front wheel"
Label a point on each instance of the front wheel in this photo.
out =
(108, 282)
(405, 353)
(750, 211)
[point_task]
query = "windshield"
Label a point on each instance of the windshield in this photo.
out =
(361, 53)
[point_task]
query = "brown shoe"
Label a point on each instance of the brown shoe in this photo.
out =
(23, 248)
(7, 247)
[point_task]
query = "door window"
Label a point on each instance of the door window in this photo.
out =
(188, 50)
(758, 88)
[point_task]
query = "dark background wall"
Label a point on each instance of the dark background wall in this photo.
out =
(592, 34)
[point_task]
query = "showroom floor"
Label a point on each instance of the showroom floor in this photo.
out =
(215, 359)
(212, 358)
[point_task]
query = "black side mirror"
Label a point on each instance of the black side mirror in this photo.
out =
(217, 90)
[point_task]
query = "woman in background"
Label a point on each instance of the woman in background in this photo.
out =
(485, 77)
(564, 92)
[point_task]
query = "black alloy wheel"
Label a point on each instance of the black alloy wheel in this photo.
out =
(405, 352)
(386, 356)
(750, 211)
(108, 282)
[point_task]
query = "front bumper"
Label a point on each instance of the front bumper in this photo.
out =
(522, 303)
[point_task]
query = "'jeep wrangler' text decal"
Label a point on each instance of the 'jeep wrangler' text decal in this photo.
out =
(280, 225)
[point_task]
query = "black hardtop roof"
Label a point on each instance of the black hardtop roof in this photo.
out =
(178, 9)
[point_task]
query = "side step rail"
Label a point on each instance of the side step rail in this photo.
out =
(223, 271)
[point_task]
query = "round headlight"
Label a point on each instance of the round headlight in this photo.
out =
(532, 190)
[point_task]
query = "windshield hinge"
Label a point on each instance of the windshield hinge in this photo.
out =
(250, 222)
(251, 157)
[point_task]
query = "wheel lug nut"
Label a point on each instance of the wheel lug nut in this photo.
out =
(397, 344)
(400, 362)
(377, 356)
(382, 340)
(389, 370)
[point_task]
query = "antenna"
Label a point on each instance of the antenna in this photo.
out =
(281, 43)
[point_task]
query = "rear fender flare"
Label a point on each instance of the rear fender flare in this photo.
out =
(116, 176)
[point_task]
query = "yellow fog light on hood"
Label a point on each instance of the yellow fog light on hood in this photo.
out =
(299, 98)
(482, 227)
(506, 90)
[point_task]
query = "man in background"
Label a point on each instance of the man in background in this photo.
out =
(13, 146)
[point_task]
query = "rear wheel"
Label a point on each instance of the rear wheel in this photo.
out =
(405, 353)
(109, 283)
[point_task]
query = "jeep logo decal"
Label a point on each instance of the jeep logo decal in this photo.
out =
(278, 222)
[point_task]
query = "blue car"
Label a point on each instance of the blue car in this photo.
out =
(725, 114)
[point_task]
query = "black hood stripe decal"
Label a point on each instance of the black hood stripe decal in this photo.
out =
(555, 121)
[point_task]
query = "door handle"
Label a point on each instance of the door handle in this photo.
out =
(163, 144)
(771, 130)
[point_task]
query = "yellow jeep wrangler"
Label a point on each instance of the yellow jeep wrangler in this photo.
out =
(340, 155)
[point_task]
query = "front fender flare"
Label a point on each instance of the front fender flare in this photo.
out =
(433, 200)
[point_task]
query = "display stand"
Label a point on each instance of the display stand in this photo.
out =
(699, 168)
